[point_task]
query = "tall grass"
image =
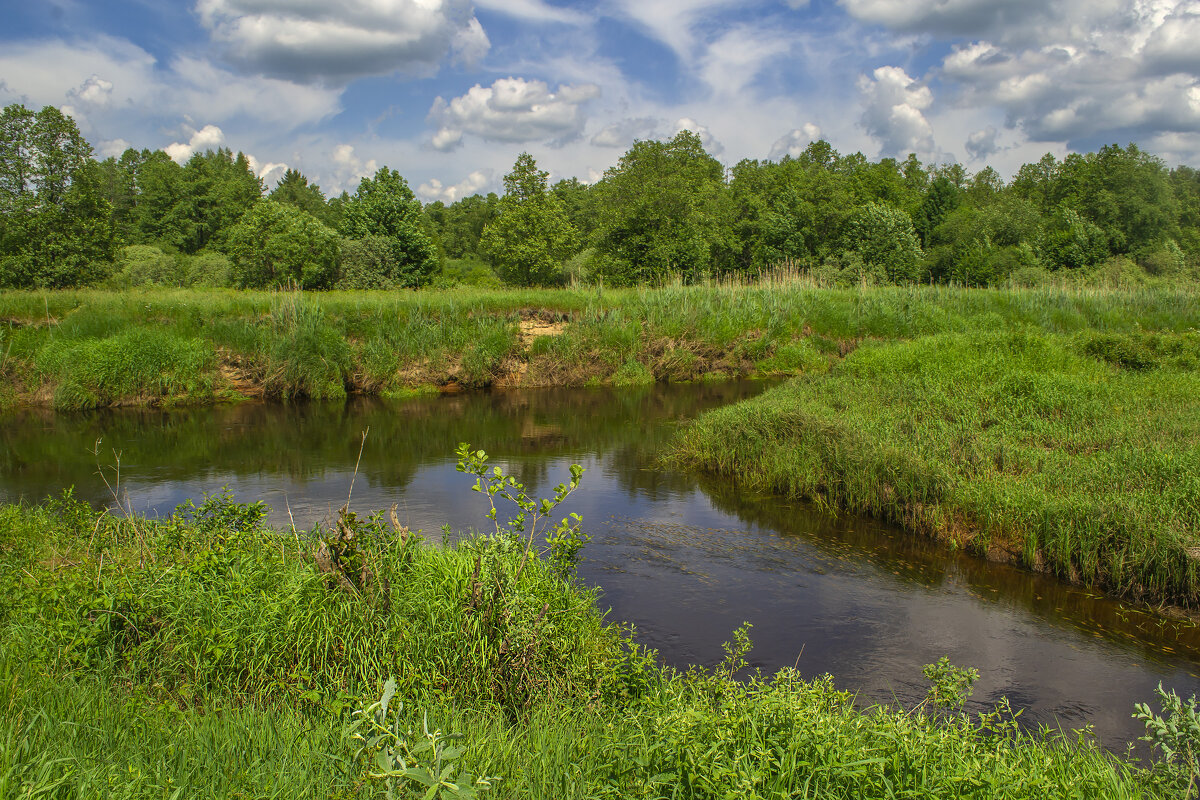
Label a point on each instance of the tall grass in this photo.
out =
(283, 345)
(201, 656)
(1072, 454)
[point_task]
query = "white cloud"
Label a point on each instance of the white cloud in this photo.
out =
(95, 92)
(433, 189)
(269, 173)
(1015, 21)
(794, 142)
(512, 110)
(348, 169)
(672, 22)
(893, 112)
(534, 11)
(112, 148)
(117, 85)
(623, 132)
(731, 62)
(209, 137)
(312, 40)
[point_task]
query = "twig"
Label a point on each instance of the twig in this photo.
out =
(361, 445)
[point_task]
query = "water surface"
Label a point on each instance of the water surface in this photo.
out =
(686, 559)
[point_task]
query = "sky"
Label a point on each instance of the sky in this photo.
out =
(449, 92)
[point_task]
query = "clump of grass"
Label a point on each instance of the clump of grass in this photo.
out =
(305, 357)
(143, 365)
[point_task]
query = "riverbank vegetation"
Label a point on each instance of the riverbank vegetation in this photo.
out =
(87, 348)
(665, 210)
(1070, 453)
(201, 655)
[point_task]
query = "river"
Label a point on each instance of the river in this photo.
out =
(683, 558)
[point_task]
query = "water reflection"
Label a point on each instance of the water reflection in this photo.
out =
(684, 559)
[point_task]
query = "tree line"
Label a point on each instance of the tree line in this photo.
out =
(666, 210)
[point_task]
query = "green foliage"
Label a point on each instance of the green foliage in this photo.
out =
(148, 365)
(384, 206)
(294, 189)
(305, 356)
(367, 263)
(1174, 736)
(663, 210)
(277, 245)
(883, 238)
(1011, 442)
(564, 541)
(398, 757)
(530, 236)
(949, 686)
(55, 225)
(201, 656)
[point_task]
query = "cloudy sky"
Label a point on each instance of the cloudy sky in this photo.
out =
(450, 91)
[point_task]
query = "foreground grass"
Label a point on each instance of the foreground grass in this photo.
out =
(78, 349)
(200, 656)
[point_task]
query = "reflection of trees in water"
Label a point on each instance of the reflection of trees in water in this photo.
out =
(45, 451)
(910, 559)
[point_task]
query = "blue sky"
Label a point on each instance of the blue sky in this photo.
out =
(450, 91)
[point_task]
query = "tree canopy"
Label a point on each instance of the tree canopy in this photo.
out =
(667, 209)
(530, 236)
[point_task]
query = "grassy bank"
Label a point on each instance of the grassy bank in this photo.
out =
(77, 349)
(201, 656)
(1077, 454)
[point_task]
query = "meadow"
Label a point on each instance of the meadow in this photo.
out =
(201, 655)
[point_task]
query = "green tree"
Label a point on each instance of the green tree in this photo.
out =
(275, 245)
(385, 206)
(294, 189)
(366, 263)
(942, 198)
(664, 209)
(883, 237)
(530, 236)
(218, 189)
(56, 228)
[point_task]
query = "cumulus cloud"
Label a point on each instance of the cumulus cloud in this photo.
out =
(349, 169)
(95, 92)
(794, 142)
(982, 143)
(307, 40)
(623, 132)
(433, 189)
(113, 148)
(1073, 71)
(1007, 20)
(893, 112)
(127, 85)
(1127, 82)
(512, 110)
(209, 137)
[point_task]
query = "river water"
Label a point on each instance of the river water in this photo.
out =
(684, 558)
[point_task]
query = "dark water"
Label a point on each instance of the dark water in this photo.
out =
(685, 559)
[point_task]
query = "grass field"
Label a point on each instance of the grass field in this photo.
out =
(200, 656)
(78, 349)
